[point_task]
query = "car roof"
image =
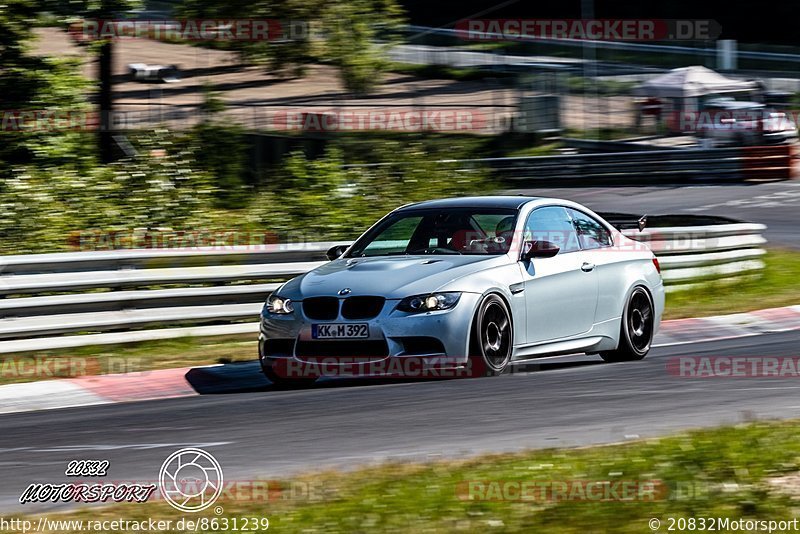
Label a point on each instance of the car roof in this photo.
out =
(499, 201)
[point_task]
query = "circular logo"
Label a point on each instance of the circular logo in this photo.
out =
(345, 291)
(190, 480)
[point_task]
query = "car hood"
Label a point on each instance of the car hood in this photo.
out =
(388, 276)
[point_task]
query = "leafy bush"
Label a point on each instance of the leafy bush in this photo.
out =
(52, 88)
(221, 151)
(319, 199)
(41, 207)
(351, 42)
(170, 185)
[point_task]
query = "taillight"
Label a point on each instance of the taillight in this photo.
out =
(658, 266)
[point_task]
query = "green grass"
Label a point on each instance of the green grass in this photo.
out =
(776, 286)
(723, 472)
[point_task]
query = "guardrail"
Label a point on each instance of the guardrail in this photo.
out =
(651, 166)
(637, 167)
(693, 254)
(90, 298)
(417, 32)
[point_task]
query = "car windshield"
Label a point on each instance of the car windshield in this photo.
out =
(444, 231)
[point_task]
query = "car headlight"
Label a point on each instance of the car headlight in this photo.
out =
(279, 305)
(431, 302)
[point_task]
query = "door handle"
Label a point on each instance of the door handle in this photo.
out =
(586, 267)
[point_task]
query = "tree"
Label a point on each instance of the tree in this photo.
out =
(282, 54)
(16, 17)
(353, 35)
(351, 30)
(32, 83)
(100, 10)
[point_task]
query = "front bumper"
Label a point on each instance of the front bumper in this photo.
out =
(397, 340)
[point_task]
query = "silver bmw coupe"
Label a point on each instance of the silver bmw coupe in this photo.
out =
(471, 283)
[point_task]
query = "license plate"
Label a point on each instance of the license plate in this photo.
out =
(340, 331)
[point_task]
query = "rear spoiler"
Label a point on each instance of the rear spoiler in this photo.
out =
(625, 221)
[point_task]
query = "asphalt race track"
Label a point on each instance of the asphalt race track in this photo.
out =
(555, 402)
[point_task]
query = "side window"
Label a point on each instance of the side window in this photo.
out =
(591, 234)
(552, 224)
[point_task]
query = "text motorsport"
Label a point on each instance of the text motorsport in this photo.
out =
(86, 493)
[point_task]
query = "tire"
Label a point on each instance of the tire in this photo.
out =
(282, 381)
(636, 328)
(492, 338)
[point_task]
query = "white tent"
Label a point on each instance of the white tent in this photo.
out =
(690, 82)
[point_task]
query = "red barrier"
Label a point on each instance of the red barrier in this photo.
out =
(767, 162)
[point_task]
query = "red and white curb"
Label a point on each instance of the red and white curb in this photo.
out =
(100, 389)
(173, 383)
(719, 327)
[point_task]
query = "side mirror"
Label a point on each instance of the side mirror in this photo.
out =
(539, 249)
(336, 252)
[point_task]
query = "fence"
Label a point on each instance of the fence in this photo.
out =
(636, 168)
(607, 53)
(92, 298)
(692, 254)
